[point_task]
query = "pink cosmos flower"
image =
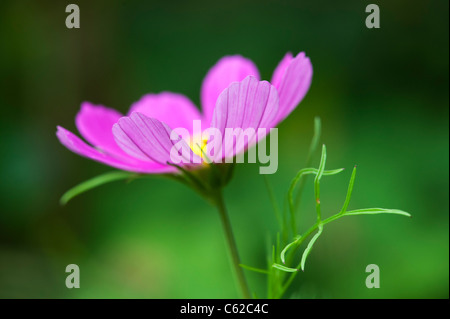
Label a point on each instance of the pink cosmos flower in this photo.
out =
(232, 96)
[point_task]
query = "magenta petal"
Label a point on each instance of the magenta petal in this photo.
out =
(280, 70)
(147, 138)
(227, 70)
(295, 83)
(246, 104)
(176, 110)
(95, 122)
(76, 145)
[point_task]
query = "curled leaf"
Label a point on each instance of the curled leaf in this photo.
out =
(284, 268)
(310, 245)
(95, 182)
(287, 247)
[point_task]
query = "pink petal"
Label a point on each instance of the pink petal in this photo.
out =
(147, 138)
(76, 145)
(280, 70)
(227, 70)
(176, 110)
(295, 83)
(246, 104)
(95, 122)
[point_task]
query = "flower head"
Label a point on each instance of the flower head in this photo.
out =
(232, 97)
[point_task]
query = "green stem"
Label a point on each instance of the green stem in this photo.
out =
(218, 200)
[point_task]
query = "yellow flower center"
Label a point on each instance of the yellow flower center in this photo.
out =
(198, 145)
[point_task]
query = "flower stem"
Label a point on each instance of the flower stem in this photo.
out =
(219, 203)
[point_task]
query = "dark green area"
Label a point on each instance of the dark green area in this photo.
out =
(382, 96)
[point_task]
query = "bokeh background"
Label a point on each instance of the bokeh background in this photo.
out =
(382, 95)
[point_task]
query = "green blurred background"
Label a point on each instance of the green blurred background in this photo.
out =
(382, 95)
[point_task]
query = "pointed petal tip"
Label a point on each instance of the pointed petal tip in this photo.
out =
(61, 132)
(292, 78)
